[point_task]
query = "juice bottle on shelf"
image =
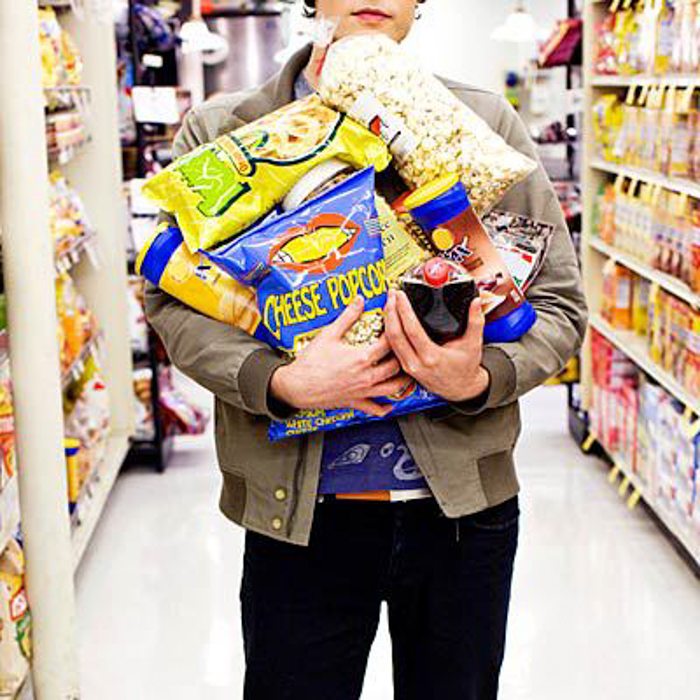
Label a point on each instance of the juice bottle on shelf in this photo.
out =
(681, 137)
(606, 228)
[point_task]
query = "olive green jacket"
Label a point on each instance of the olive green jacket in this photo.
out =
(464, 452)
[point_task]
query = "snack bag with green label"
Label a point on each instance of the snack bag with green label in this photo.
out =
(223, 187)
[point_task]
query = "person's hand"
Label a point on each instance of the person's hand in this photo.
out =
(330, 373)
(453, 370)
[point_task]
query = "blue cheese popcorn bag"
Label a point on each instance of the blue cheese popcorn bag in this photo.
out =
(306, 267)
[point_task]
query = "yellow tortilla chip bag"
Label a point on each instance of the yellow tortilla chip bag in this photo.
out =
(221, 188)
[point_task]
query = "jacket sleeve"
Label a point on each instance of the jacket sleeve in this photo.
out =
(225, 360)
(557, 293)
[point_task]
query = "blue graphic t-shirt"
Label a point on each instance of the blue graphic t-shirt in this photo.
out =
(372, 457)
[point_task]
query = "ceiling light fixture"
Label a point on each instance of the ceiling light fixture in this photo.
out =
(519, 27)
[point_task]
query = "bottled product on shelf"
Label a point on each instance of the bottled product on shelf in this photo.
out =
(659, 228)
(15, 620)
(648, 38)
(655, 128)
(651, 438)
(669, 326)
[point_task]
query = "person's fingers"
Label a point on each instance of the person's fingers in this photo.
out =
(413, 329)
(392, 388)
(379, 350)
(371, 408)
(385, 370)
(397, 338)
(474, 335)
(346, 320)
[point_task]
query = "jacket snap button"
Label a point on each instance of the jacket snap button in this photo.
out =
(280, 494)
(277, 524)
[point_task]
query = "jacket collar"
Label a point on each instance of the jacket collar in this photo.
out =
(277, 91)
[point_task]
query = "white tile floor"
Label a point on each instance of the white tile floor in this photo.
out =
(603, 608)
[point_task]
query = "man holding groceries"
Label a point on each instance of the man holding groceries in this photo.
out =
(420, 512)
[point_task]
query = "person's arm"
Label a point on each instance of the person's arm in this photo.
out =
(556, 294)
(223, 359)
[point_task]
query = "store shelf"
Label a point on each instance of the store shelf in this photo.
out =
(670, 284)
(92, 502)
(63, 156)
(675, 184)
(57, 4)
(76, 369)
(634, 346)
(625, 81)
(68, 97)
(689, 543)
(70, 257)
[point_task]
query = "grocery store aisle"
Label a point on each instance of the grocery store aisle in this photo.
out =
(603, 607)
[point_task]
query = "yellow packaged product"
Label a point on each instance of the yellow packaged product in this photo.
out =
(607, 125)
(195, 281)
(401, 252)
(223, 187)
(15, 620)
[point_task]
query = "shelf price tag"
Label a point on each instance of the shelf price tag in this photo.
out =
(613, 474)
(631, 94)
(634, 499)
(624, 485)
(643, 94)
(588, 442)
(614, 6)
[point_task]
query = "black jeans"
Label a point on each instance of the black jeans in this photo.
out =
(310, 614)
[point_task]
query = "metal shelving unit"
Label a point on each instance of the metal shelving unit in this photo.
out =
(596, 253)
(53, 547)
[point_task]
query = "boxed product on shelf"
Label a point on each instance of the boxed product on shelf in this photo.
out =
(676, 463)
(614, 407)
(15, 620)
(648, 431)
(674, 338)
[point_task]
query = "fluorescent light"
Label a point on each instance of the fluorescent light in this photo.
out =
(519, 28)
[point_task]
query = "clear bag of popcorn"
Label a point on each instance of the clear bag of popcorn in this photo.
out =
(429, 131)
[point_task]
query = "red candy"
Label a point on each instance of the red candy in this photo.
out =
(437, 272)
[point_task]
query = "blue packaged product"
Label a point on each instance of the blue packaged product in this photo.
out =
(306, 267)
